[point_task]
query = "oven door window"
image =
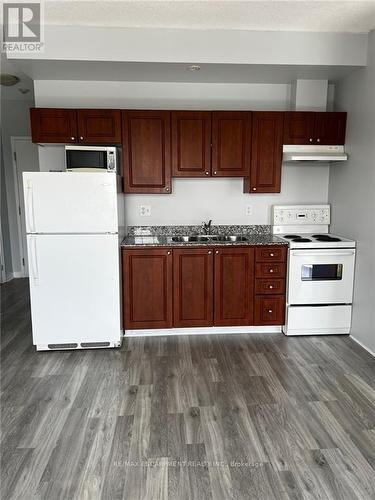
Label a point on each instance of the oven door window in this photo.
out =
(321, 272)
(86, 159)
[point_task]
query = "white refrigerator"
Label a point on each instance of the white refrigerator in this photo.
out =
(74, 224)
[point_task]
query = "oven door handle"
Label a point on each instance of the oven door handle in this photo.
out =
(322, 253)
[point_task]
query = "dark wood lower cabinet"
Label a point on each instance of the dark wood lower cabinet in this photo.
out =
(193, 287)
(147, 288)
(234, 286)
(203, 287)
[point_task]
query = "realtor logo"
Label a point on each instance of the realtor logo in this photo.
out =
(22, 27)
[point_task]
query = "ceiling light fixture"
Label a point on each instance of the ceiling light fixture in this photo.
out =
(8, 80)
(193, 67)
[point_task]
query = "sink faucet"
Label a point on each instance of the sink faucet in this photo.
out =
(207, 227)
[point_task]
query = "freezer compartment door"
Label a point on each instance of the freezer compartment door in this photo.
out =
(323, 276)
(74, 288)
(70, 202)
(318, 320)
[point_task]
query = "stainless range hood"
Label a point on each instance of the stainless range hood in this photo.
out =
(293, 153)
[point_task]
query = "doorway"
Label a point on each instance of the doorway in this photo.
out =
(25, 159)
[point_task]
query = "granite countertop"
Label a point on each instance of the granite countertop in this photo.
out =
(161, 236)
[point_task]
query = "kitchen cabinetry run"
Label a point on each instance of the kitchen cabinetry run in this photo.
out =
(266, 153)
(214, 286)
(147, 288)
(325, 128)
(147, 151)
(66, 126)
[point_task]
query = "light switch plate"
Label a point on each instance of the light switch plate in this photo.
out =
(249, 210)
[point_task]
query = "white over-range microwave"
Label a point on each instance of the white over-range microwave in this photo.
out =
(91, 158)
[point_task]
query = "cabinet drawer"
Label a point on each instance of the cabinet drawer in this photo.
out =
(270, 254)
(269, 310)
(264, 270)
(269, 286)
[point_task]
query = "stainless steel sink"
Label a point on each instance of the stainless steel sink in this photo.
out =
(207, 238)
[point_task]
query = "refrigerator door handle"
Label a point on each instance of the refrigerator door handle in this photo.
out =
(34, 261)
(30, 218)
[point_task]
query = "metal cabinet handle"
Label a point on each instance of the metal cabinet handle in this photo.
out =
(217, 252)
(209, 252)
(271, 287)
(167, 189)
(311, 139)
(270, 311)
(318, 140)
(207, 173)
(272, 255)
(215, 173)
(72, 138)
(254, 189)
(81, 138)
(169, 253)
(271, 270)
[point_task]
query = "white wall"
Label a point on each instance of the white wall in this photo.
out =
(14, 122)
(192, 200)
(352, 190)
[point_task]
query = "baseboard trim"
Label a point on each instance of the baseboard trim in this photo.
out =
(362, 345)
(212, 330)
(8, 277)
(18, 274)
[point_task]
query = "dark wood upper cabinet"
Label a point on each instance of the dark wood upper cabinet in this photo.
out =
(231, 143)
(299, 127)
(234, 286)
(147, 285)
(147, 151)
(99, 126)
(191, 143)
(53, 125)
(330, 128)
(266, 153)
(193, 287)
(326, 128)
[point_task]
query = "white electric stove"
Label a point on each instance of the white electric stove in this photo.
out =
(320, 271)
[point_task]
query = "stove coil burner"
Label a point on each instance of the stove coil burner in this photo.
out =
(301, 240)
(291, 236)
(323, 237)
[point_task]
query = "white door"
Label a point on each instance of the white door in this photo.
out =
(74, 288)
(323, 276)
(25, 157)
(70, 202)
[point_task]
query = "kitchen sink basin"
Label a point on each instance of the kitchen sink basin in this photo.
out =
(207, 238)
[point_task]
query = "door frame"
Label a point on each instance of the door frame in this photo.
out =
(3, 278)
(22, 250)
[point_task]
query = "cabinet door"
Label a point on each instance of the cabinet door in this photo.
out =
(99, 126)
(53, 125)
(191, 143)
(234, 286)
(269, 310)
(330, 128)
(299, 127)
(147, 288)
(266, 153)
(193, 287)
(146, 151)
(231, 143)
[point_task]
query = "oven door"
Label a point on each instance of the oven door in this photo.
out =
(323, 276)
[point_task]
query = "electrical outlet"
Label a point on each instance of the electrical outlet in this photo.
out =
(144, 210)
(249, 210)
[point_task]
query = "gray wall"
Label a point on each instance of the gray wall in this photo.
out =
(352, 190)
(5, 221)
(14, 122)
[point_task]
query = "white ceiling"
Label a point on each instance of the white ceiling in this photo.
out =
(267, 15)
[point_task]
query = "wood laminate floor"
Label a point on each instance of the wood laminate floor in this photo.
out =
(200, 417)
